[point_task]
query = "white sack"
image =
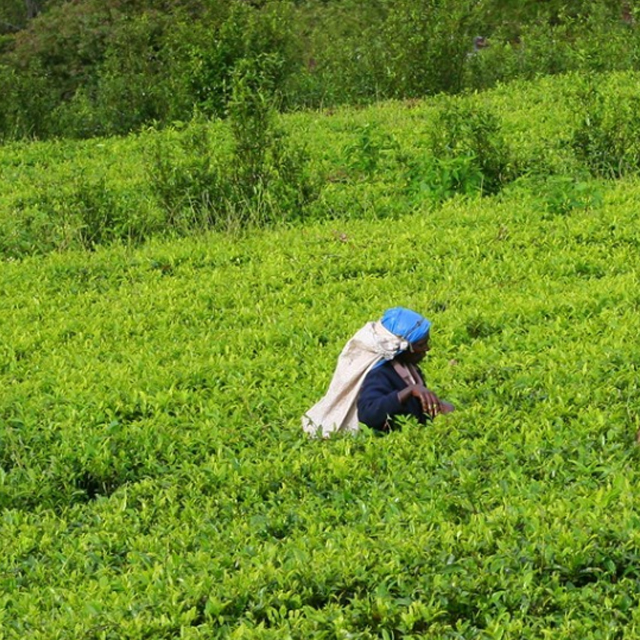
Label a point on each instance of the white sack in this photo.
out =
(337, 411)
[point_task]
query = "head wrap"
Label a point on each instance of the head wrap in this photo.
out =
(406, 324)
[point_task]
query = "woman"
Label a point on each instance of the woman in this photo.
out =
(377, 378)
(396, 387)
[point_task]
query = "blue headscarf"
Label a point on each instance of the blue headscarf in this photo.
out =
(406, 324)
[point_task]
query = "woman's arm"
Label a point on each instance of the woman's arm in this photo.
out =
(378, 400)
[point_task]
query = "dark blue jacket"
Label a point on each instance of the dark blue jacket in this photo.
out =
(378, 400)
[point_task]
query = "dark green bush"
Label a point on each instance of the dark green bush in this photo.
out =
(245, 33)
(367, 153)
(407, 49)
(565, 194)
(607, 137)
(186, 179)
(590, 36)
(263, 180)
(103, 67)
(27, 99)
(424, 45)
(98, 211)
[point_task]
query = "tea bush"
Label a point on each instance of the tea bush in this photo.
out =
(264, 168)
(155, 481)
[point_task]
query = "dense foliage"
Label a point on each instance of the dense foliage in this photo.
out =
(556, 137)
(83, 68)
(155, 481)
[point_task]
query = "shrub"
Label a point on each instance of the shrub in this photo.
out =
(475, 133)
(607, 137)
(439, 179)
(97, 209)
(366, 154)
(186, 179)
(379, 51)
(103, 67)
(265, 179)
(423, 47)
(590, 37)
(27, 98)
(467, 154)
(565, 194)
(244, 33)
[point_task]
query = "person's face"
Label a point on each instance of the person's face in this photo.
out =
(417, 350)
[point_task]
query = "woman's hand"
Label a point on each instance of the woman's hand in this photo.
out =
(431, 404)
(429, 400)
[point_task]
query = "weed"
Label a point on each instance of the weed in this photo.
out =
(95, 205)
(370, 148)
(186, 180)
(438, 179)
(262, 180)
(564, 194)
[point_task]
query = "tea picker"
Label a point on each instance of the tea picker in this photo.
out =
(377, 378)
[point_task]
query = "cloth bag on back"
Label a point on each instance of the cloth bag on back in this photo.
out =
(337, 411)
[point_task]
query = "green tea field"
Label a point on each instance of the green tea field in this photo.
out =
(155, 481)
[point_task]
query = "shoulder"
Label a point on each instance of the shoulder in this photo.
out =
(383, 373)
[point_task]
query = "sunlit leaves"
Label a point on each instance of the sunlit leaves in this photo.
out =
(155, 481)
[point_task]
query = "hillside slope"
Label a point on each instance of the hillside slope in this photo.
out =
(154, 478)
